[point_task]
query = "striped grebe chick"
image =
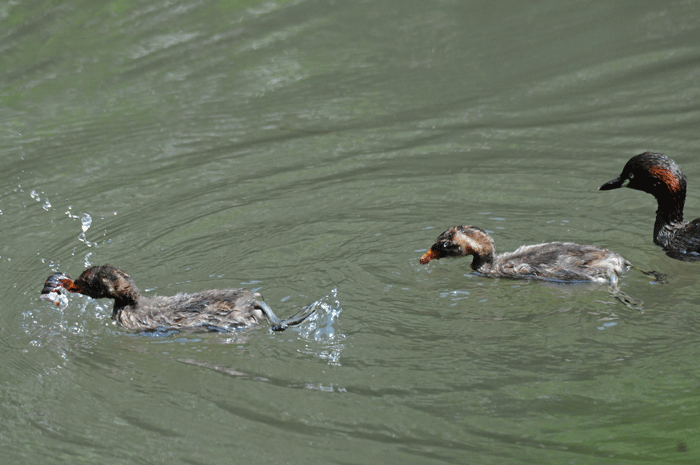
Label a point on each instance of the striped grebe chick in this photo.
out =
(555, 261)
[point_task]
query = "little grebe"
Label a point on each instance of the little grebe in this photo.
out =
(221, 310)
(555, 261)
(658, 175)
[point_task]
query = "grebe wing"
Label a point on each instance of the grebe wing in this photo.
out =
(686, 244)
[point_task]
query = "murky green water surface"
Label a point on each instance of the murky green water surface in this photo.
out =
(312, 150)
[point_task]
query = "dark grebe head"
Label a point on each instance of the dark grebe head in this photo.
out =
(106, 281)
(658, 175)
(461, 241)
(97, 282)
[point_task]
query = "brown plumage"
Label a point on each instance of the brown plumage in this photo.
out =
(556, 261)
(221, 310)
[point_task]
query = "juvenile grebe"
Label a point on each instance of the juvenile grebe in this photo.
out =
(221, 310)
(658, 175)
(555, 261)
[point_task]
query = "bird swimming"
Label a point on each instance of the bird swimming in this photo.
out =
(658, 175)
(214, 310)
(554, 261)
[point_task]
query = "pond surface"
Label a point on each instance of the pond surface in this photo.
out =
(312, 150)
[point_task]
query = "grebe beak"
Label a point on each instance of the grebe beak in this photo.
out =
(614, 184)
(431, 254)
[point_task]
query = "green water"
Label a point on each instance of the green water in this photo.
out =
(312, 151)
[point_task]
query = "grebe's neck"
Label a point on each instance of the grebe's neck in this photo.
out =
(479, 244)
(669, 216)
(123, 302)
(670, 207)
(483, 262)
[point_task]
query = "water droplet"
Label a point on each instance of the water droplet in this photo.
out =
(86, 220)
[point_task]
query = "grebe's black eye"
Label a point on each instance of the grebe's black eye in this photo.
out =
(631, 176)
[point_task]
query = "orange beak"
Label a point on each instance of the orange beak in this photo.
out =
(429, 255)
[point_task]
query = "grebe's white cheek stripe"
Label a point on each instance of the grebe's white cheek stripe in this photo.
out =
(626, 182)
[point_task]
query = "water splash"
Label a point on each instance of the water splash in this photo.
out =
(48, 324)
(86, 222)
(71, 215)
(319, 330)
(36, 196)
(60, 299)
